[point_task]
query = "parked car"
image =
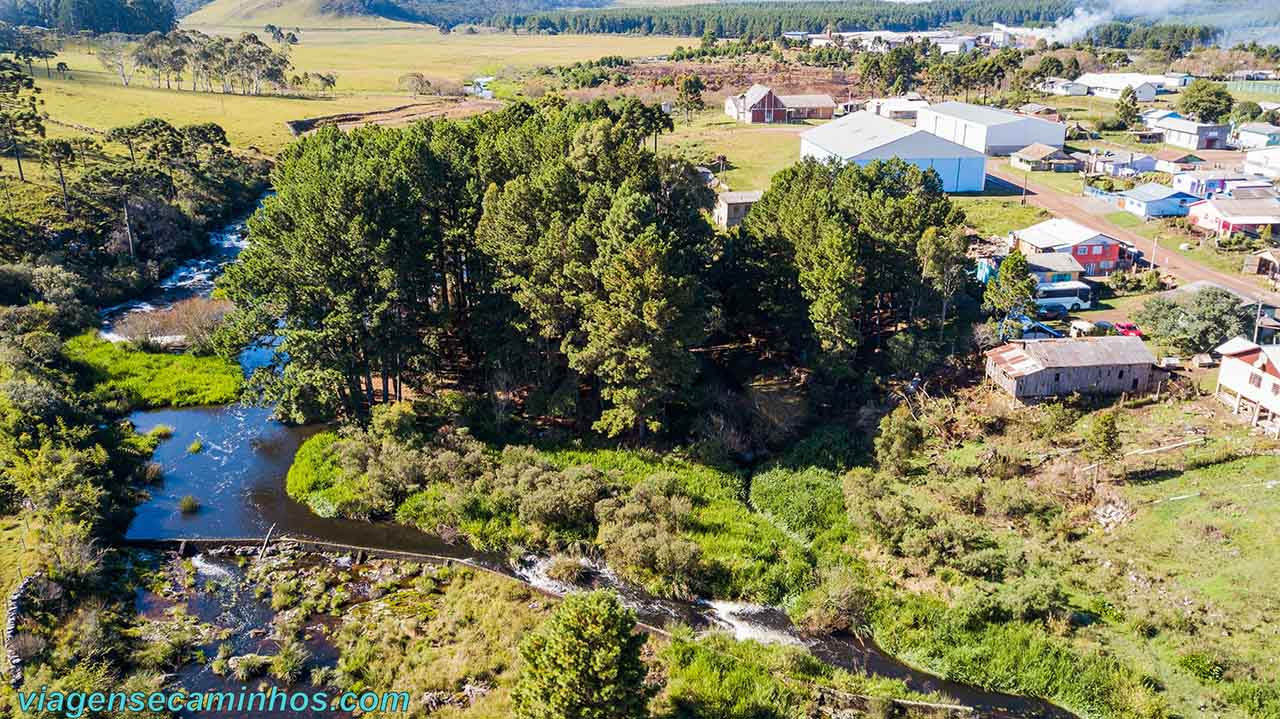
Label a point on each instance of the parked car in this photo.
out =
(1128, 329)
(1052, 312)
(1104, 327)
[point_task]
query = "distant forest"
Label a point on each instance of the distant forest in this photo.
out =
(1133, 35)
(71, 16)
(771, 19)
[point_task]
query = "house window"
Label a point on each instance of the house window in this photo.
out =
(1056, 376)
(1255, 380)
(1120, 374)
(1097, 249)
(1082, 250)
(1275, 388)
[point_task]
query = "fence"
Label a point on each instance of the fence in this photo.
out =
(1262, 87)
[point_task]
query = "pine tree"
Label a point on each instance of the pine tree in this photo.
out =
(583, 663)
(1127, 107)
(1014, 287)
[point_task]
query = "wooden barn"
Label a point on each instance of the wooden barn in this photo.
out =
(1035, 369)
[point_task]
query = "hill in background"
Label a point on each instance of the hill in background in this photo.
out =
(359, 13)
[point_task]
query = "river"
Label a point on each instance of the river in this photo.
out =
(239, 480)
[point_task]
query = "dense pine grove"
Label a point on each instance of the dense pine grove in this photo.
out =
(771, 19)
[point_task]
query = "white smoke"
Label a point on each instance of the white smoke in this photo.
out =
(1079, 23)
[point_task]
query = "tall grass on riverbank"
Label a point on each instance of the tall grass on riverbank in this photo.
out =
(128, 379)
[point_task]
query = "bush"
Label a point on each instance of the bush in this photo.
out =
(1202, 666)
(899, 439)
(189, 505)
(562, 659)
(288, 663)
(833, 447)
(840, 603)
(805, 503)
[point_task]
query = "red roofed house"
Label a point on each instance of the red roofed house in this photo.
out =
(1249, 381)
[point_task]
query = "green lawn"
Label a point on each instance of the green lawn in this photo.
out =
(996, 216)
(133, 379)
(1067, 183)
(1127, 220)
(753, 152)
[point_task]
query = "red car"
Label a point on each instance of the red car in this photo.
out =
(1128, 329)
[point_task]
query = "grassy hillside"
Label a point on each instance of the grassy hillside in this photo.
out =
(305, 14)
(367, 62)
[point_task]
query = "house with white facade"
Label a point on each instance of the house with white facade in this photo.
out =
(1256, 135)
(1111, 84)
(904, 107)
(1063, 86)
(1249, 382)
(863, 137)
(1265, 162)
(1192, 135)
(989, 130)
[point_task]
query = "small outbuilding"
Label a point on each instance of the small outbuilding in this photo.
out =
(1036, 369)
(1256, 135)
(732, 207)
(989, 130)
(1175, 161)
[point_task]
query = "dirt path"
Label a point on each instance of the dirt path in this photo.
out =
(1075, 208)
(397, 116)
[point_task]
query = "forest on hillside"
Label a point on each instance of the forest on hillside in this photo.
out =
(771, 19)
(98, 16)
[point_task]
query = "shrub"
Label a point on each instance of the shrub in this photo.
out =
(1056, 420)
(840, 603)
(834, 447)
(899, 438)
(1202, 666)
(560, 676)
(566, 570)
(805, 502)
(248, 666)
(639, 534)
(189, 505)
(196, 447)
(314, 466)
(288, 663)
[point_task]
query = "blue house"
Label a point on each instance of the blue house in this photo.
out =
(1155, 200)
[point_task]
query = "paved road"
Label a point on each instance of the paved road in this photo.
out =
(1074, 208)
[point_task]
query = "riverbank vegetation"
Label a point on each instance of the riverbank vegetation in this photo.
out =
(126, 379)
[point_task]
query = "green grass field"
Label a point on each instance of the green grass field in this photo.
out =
(153, 379)
(997, 216)
(753, 152)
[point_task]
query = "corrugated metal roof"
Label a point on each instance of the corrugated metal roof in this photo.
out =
(1053, 262)
(740, 196)
(1259, 128)
(1154, 191)
(1056, 232)
(1040, 151)
(980, 114)
(807, 100)
(866, 136)
(1178, 124)
(1025, 357)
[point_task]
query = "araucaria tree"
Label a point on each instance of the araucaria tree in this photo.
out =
(583, 663)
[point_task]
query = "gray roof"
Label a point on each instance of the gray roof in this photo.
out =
(980, 114)
(1053, 262)
(1153, 191)
(866, 136)
(1041, 151)
(738, 197)
(1259, 128)
(1179, 124)
(807, 100)
(1088, 351)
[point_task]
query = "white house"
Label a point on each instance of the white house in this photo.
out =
(957, 44)
(897, 108)
(987, 129)
(1120, 163)
(1249, 382)
(1063, 86)
(1256, 135)
(862, 137)
(1192, 135)
(1150, 117)
(1111, 84)
(1265, 162)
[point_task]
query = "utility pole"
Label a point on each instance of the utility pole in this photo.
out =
(1257, 323)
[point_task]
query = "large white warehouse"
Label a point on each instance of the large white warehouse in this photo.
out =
(862, 137)
(988, 130)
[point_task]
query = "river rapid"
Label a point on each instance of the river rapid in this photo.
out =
(239, 480)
